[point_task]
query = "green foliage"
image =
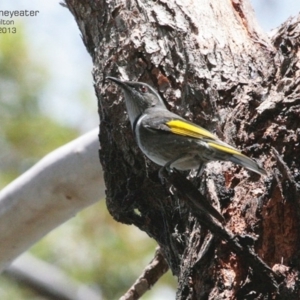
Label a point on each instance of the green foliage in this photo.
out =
(25, 133)
(97, 250)
(21, 78)
(11, 290)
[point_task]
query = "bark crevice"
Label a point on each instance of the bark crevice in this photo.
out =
(213, 66)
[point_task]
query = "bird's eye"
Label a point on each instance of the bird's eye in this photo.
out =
(143, 89)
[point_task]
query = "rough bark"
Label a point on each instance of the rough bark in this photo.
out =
(213, 65)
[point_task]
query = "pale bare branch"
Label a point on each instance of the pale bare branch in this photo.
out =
(55, 189)
(49, 280)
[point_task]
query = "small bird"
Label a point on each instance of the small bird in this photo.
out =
(169, 140)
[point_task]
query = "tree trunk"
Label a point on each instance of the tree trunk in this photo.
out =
(213, 66)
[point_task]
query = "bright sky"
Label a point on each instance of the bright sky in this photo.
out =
(55, 39)
(272, 13)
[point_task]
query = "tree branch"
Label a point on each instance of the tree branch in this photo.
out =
(48, 280)
(55, 189)
(156, 268)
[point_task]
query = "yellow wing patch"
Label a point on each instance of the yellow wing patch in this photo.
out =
(185, 128)
(224, 148)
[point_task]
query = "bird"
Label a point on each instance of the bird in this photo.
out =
(171, 141)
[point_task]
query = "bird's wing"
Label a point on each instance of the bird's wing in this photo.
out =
(183, 127)
(176, 125)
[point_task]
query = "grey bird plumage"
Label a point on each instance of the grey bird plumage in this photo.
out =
(166, 138)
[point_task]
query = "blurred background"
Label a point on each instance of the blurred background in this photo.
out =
(45, 70)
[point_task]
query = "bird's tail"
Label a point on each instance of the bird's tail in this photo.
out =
(225, 152)
(246, 162)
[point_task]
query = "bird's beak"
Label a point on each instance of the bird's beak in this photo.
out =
(119, 82)
(114, 79)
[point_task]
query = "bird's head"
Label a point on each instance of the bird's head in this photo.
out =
(138, 97)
